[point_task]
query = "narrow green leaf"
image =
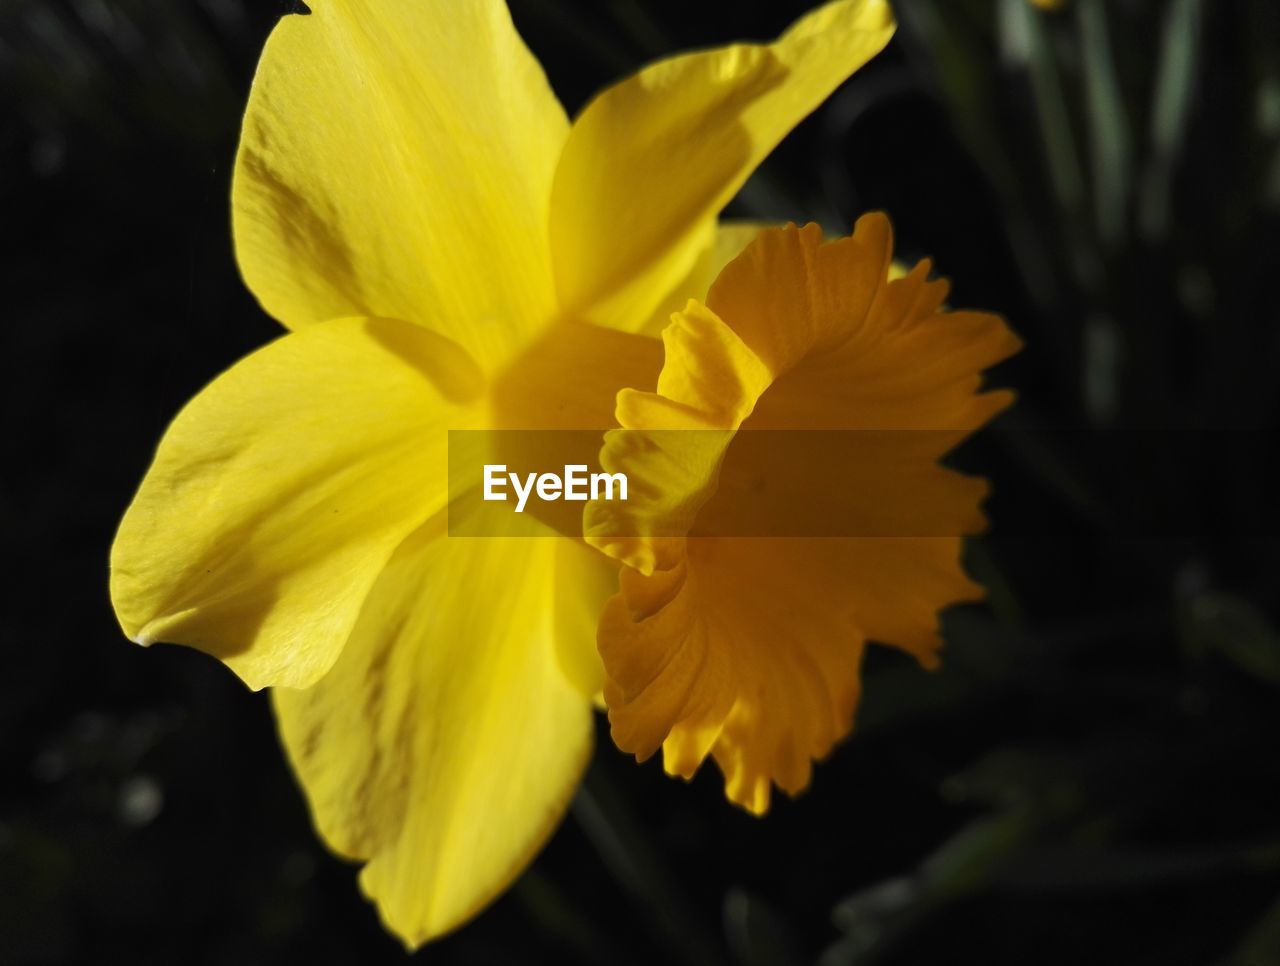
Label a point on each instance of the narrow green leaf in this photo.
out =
(757, 934)
(605, 819)
(1110, 140)
(1261, 945)
(1060, 148)
(555, 913)
(1236, 629)
(1170, 113)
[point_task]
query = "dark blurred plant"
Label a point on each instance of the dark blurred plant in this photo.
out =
(1090, 777)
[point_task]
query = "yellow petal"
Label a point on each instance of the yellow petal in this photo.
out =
(280, 491)
(673, 440)
(727, 243)
(585, 580)
(445, 744)
(747, 647)
(396, 160)
(877, 353)
(754, 658)
(652, 161)
(791, 294)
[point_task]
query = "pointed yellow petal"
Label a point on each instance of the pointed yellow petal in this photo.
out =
(651, 161)
(396, 160)
(279, 493)
(445, 744)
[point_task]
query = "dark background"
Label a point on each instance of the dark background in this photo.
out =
(1092, 776)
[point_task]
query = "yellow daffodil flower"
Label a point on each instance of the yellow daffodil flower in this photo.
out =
(448, 252)
(748, 648)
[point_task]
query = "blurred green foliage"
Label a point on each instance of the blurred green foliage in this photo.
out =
(1092, 776)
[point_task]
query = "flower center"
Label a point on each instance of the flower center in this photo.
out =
(549, 408)
(568, 379)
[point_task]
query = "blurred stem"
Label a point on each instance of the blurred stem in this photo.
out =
(1272, 192)
(1062, 154)
(756, 933)
(1110, 139)
(1261, 943)
(877, 920)
(593, 42)
(1000, 594)
(949, 62)
(1171, 109)
(1040, 451)
(620, 843)
(642, 28)
(766, 198)
(551, 911)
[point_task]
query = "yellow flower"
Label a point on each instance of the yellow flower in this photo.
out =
(1049, 4)
(448, 252)
(747, 647)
